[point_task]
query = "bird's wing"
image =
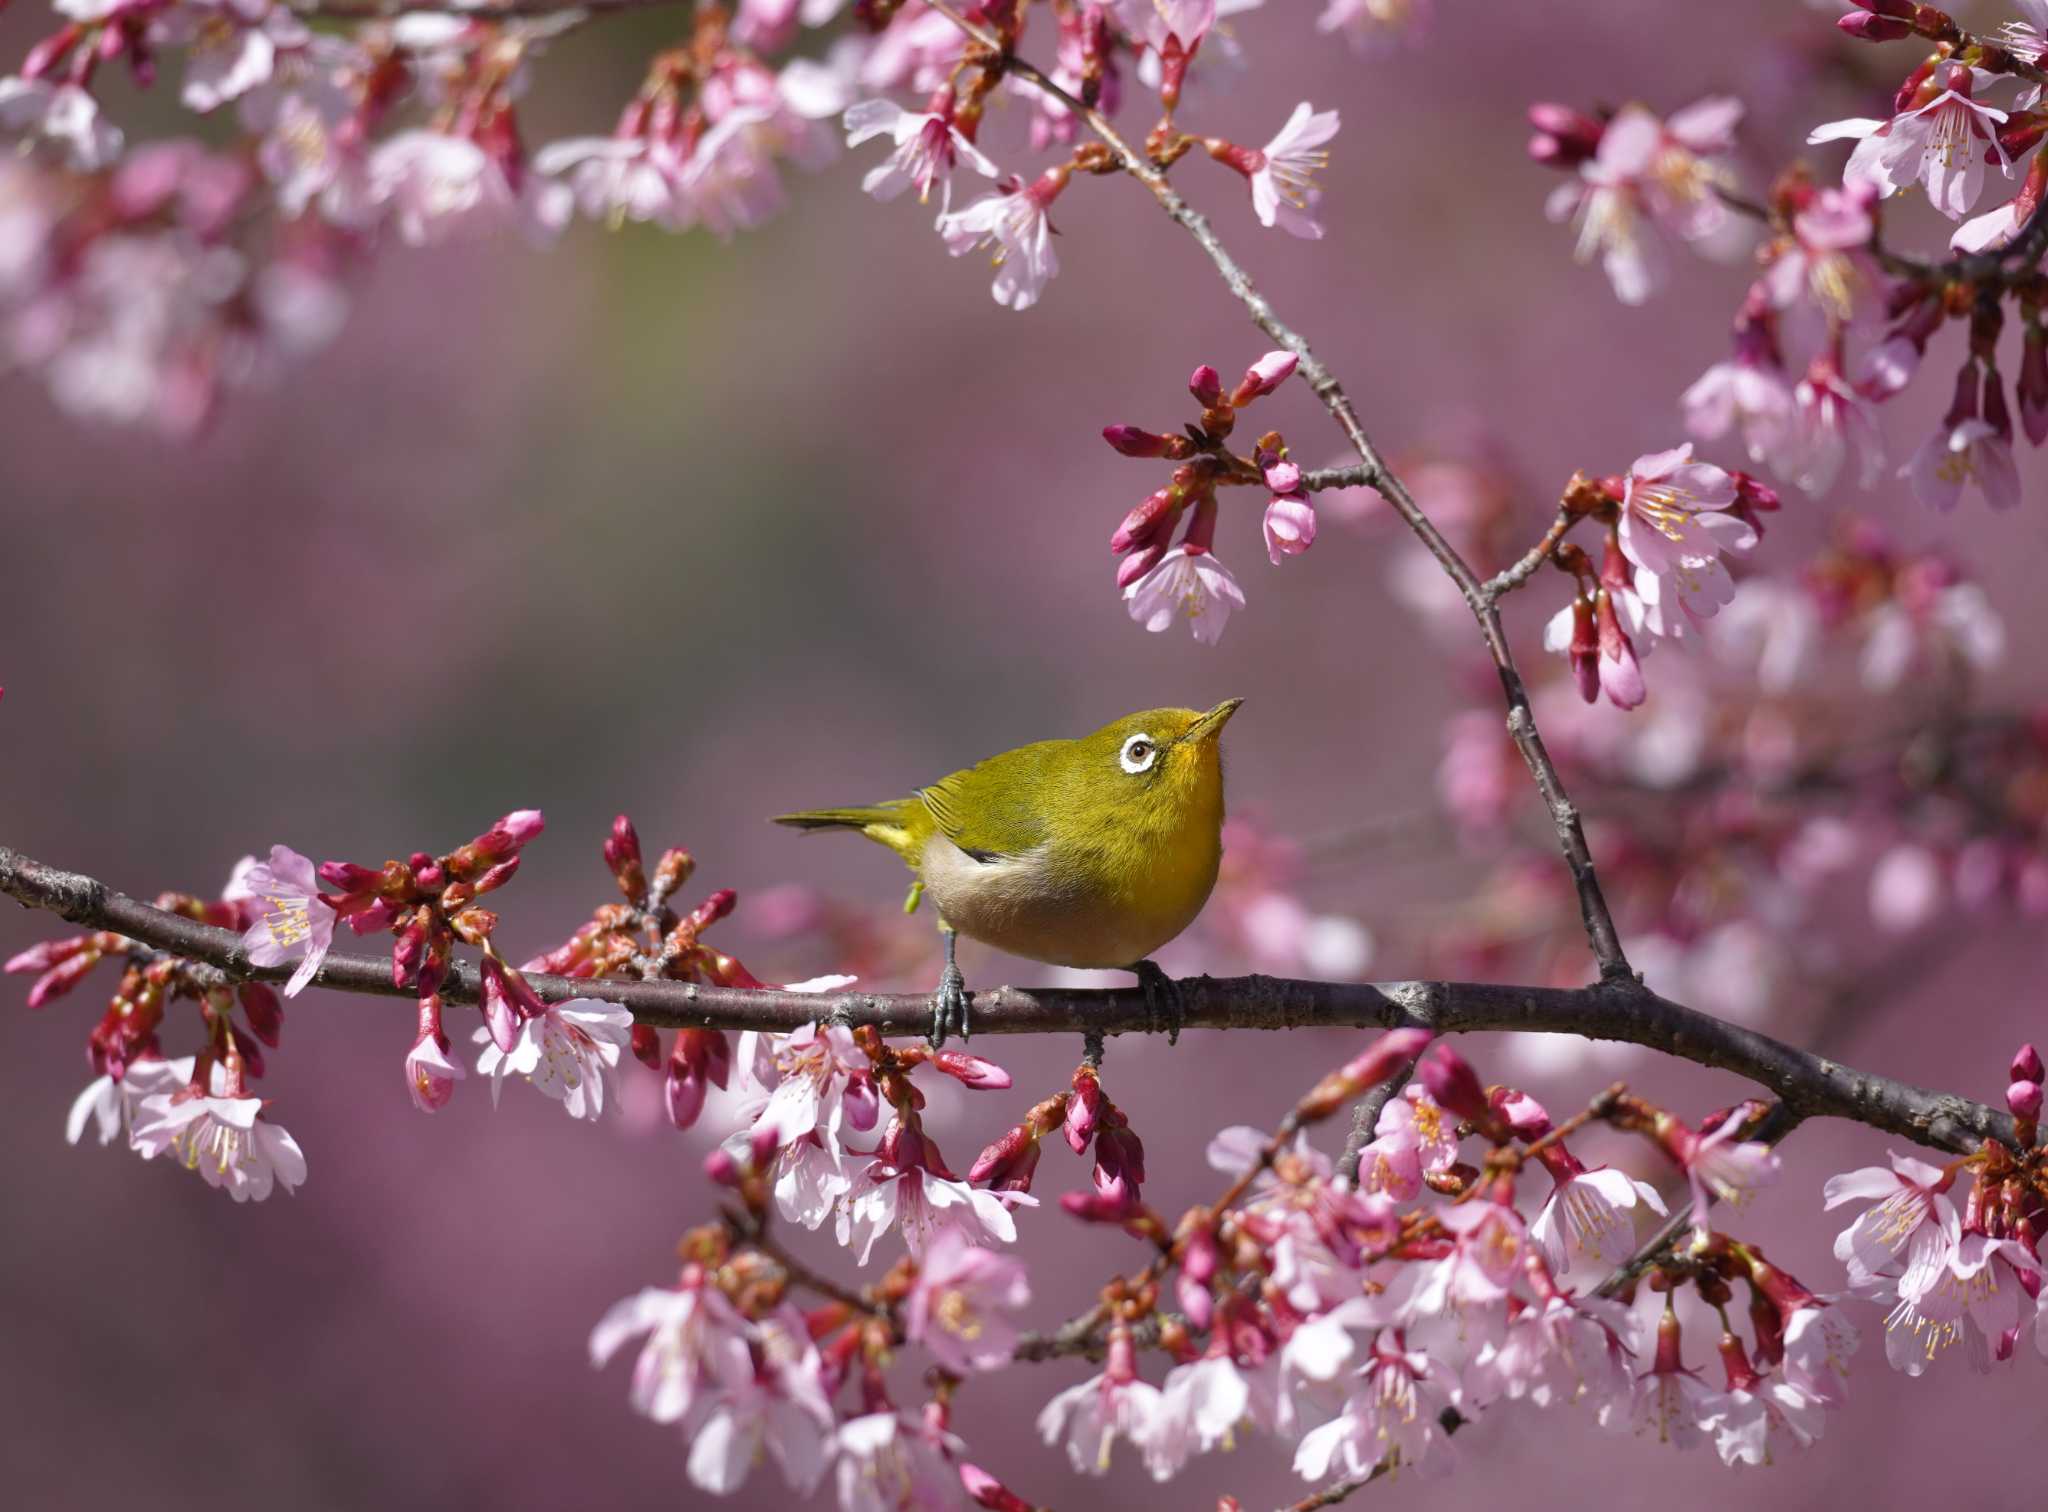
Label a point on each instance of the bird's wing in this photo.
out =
(995, 808)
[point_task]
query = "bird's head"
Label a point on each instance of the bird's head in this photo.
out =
(1163, 761)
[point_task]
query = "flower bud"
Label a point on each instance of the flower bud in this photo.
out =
(1133, 442)
(2024, 1098)
(673, 870)
(1151, 516)
(622, 855)
(646, 1046)
(2026, 1065)
(1868, 28)
(1263, 377)
(1084, 1110)
(986, 1491)
(721, 1169)
(971, 1070)
(265, 1012)
(1008, 1163)
(1206, 384)
(1451, 1082)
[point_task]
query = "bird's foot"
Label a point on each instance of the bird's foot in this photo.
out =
(949, 1006)
(1165, 1005)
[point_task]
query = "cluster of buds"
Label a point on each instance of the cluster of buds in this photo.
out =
(644, 938)
(198, 1106)
(1162, 580)
(1092, 1120)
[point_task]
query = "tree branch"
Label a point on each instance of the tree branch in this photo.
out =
(1811, 1086)
(1375, 472)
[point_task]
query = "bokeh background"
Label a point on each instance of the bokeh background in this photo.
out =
(702, 532)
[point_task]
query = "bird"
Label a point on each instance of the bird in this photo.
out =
(1091, 852)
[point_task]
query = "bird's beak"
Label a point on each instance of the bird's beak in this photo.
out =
(1211, 724)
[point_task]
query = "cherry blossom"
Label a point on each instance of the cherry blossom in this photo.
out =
(781, 1408)
(224, 1138)
(1189, 582)
(1588, 1217)
(1668, 1400)
(1373, 27)
(1717, 1164)
(293, 920)
(1013, 222)
(1394, 1409)
(1966, 450)
(1677, 518)
(696, 1345)
(1087, 1419)
(1832, 420)
(570, 1051)
(886, 1464)
(110, 1103)
(1646, 175)
(956, 1309)
(1911, 1225)
(1944, 144)
(908, 1187)
(1200, 1407)
(928, 148)
(63, 115)
(1282, 174)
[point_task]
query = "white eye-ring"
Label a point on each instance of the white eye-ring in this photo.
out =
(1138, 754)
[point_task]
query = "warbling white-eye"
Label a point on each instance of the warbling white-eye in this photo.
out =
(1091, 852)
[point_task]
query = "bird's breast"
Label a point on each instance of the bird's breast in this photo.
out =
(1107, 899)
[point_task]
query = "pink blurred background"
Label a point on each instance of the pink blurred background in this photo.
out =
(705, 532)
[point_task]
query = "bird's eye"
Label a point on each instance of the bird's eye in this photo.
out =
(1138, 754)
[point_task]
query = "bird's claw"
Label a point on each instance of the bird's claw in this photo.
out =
(1165, 1005)
(949, 1006)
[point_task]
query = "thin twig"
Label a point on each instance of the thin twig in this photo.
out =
(1365, 1122)
(1601, 933)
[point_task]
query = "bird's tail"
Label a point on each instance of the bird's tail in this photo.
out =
(887, 824)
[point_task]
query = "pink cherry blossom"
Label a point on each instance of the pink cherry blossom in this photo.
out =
(1749, 392)
(1282, 174)
(886, 1463)
(110, 1103)
(63, 115)
(1717, 1165)
(1394, 1409)
(570, 1052)
(1375, 27)
(1647, 176)
(1819, 1342)
(1290, 527)
(1200, 1407)
(224, 1138)
(1938, 1299)
(1832, 420)
(231, 46)
(1909, 1228)
(1676, 520)
(1562, 1350)
(1589, 1218)
(696, 1345)
(1826, 279)
(928, 148)
(1944, 144)
(430, 1073)
(294, 920)
(433, 184)
(908, 1187)
(1087, 1419)
(1668, 1400)
(1014, 224)
(1966, 453)
(779, 1408)
(957, 1306)
(1188, 582)
(1157, 23)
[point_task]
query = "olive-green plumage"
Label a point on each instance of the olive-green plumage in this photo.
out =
(1091, 852)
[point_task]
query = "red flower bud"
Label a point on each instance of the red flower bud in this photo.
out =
(2026, 1065)
(1869, 28)
(1206, 384)
(1454, 1085)
(1133, 442)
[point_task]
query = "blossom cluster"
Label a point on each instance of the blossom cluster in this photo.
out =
(142, 282)
(1836, 323)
